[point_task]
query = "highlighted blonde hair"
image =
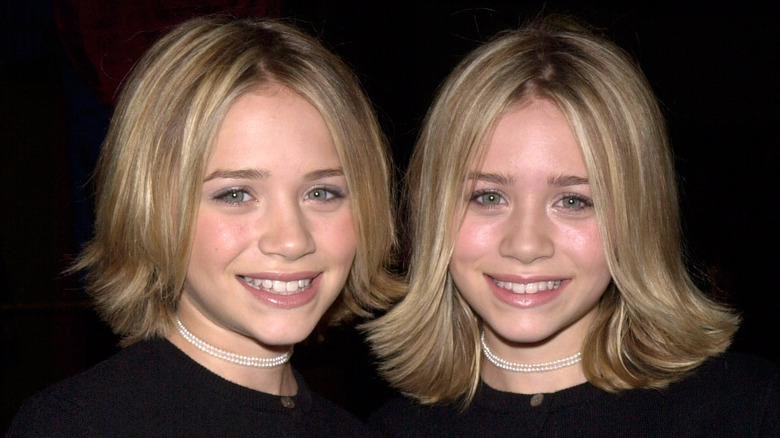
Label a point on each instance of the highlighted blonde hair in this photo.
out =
(653, 324)
(150, 172)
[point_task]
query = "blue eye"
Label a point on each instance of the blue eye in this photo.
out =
(233, 196)
(323, 194)
(575, 202)
(487, 198)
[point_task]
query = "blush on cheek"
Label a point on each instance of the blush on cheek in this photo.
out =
(589, 245)
(476, 237)
(585, 239)
(342, 240)
(224, 234)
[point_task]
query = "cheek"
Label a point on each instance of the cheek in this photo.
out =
(216, 236)
(586, 246)
(474, 239)
(335, 236)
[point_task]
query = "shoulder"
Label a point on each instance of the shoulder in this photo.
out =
(404, 417)
(748, 386)
(336, 421)
(71, 406)
(326, 417)
(736, 373)
(729, 395)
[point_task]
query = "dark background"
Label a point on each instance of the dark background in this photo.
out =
(712, 67)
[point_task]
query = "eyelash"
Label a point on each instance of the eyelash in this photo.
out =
(583, 200)
(335, 193)
(227, 195)
(475, 197)
(223, 196)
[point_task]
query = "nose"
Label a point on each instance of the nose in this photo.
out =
(528, 236)
(285, 232)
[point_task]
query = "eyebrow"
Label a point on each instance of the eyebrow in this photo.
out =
(324, 173)
(567, 180)
(237, 174)
(495, 178)
(263, 174)
(505, 180)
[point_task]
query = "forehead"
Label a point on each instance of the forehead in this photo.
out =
(534, 134)
(271, 126)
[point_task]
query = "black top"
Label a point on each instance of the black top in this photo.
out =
(730, 396)
(153, 389)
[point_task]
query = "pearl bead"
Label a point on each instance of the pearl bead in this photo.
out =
(258, 362)
(528, 368)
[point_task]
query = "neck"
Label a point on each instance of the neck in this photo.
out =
(500, 371)
(278, 380)
(531, 383)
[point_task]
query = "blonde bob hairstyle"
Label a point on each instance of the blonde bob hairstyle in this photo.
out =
(151, 168)
(653, 324)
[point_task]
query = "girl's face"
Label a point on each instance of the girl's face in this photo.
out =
(529, 257)
(274, 239)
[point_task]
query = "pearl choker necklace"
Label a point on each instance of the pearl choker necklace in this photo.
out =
(528, 368)
(252, 361)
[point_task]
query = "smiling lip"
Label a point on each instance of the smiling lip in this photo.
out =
(528, 288)
(280, 287)
(526, 292)
(282, 290)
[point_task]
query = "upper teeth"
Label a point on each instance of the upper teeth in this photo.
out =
(278, 287)
(528, 288)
